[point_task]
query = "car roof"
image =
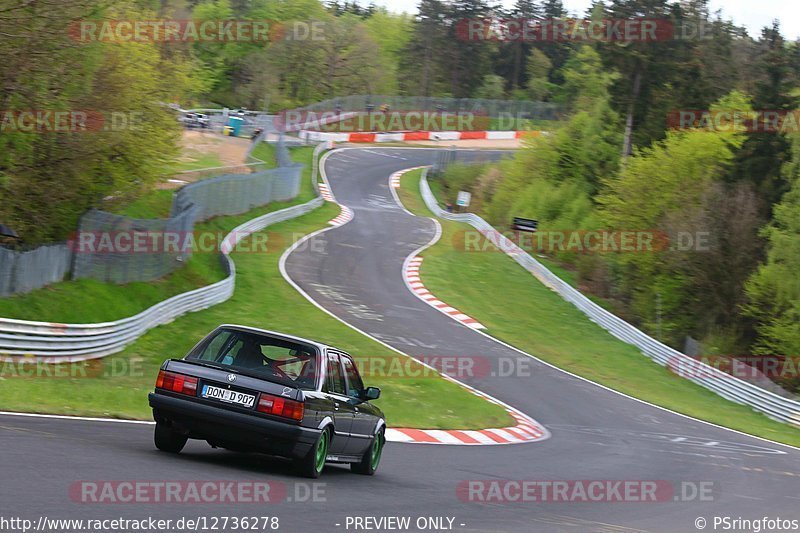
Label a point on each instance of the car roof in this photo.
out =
(283, 336)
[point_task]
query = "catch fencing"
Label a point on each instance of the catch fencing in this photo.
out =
(85, 255)
(728, 386)
(59, 343)
(453, 156)
(24, 271)
(95, 256)
(493, 108)
(234, 194)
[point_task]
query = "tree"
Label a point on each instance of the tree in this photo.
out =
(773, 292)
(351, 65)
(49, 179)
(585, 80)
(493, 87)
(555, 177)
(760, 160)
(466, 61)
(675, 187)
(391, 33)
(422, 67)
(538, 71)
(557, 52)
(729, 249)
(671, 73)
(510, 59)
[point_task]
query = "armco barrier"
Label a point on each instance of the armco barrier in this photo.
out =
(728, 386)
(321, 147)
(60, 343)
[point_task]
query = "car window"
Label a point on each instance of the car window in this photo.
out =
(278, 353)
(355, 387)
(278, 360)
(212, 351)
(335, 381)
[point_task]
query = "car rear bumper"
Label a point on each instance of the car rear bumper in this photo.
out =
(230, 429)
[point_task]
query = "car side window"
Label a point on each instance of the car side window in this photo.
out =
(335, 380)
(213, 351)
(355, 387)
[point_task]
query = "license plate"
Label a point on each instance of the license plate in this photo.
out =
(228, 396)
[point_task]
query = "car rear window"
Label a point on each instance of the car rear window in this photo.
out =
(287, 362)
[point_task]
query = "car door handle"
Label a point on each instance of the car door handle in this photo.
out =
(356, 409)
(335, 406)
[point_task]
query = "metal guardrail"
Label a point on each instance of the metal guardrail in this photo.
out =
(60, 343)
(321, 147)
(728, 386)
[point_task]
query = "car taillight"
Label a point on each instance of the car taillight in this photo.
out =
(275, 405)
(176, 383)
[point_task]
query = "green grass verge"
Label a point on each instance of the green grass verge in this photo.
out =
(552, 263)
(153, 204)
(118, 385)
(561, 334)
(196, 160)
(158, 202)
(89, 301)
(266, 153)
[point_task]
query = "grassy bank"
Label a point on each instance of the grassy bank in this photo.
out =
(90, 300)
(560, 333)
(118, 385)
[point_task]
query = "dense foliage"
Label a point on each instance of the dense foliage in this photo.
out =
(611, 163)
(726, 270)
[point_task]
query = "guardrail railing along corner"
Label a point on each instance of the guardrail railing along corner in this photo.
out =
(730, 387)
(52, 342)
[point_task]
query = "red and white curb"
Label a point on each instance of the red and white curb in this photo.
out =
(400, 136)
(345, 216)
(411, 270)
(521, 433)
(325, 192)
(394, 179)
(412, 277)
(525, 430)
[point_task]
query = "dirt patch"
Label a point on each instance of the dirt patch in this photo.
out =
(231, 152)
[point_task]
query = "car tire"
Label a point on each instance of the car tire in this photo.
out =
(168, 440)
(313, 463)
(372, 457)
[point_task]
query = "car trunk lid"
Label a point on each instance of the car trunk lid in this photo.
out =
(234, 379)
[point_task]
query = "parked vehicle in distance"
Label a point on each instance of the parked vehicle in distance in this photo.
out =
(196, 120)
(253, 390)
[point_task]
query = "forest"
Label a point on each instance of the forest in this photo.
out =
(612, 161)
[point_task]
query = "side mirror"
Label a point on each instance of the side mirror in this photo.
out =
(372, 393)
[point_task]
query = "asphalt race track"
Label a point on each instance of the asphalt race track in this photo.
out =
(596, 434)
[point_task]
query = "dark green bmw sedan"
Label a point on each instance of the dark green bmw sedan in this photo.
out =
(248, 389)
